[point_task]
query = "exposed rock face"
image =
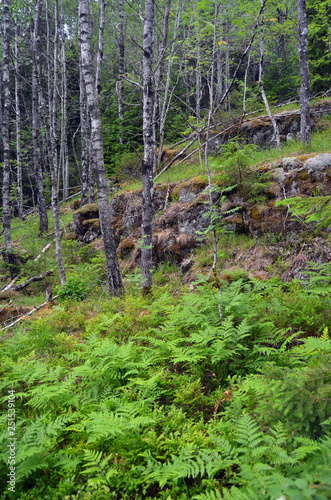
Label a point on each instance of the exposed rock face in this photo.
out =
(177, 225)
(260, 131)
(87, 223)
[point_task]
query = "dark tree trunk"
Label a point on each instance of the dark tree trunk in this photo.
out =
(43, 225)
(148, 160)
(305, 130)
(114, 277)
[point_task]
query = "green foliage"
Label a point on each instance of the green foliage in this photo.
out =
(76, 288)
(315, 209)
(158, 397)
(235, 162)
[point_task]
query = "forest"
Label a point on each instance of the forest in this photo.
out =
(165, 264)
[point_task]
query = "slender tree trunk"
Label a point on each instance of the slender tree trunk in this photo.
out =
(64, 106)
(227, 66)
(43, 226)
(160, 70)
(18, 128)
(6, 140)
(166, 97)
(53, 139)
(219, 63)
(305, 129)
(148, 160)
(91, 161)
(210, 116)
(121, 69)
(114, 277)
(84, 135)
(245, 82)
(198, 84)
(264, 97)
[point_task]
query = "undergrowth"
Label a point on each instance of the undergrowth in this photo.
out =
(160, 397)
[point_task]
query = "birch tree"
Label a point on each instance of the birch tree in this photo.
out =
(53, 100)
(18, 125)
(305, 129)
(114, 277)
(6, 139)
(148, 159)
(36, 50)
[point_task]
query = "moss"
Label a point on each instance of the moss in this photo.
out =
(126, 247)
(71, 236)
(92, 223)
(75, 205)
(88, 209)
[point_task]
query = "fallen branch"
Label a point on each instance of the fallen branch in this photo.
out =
(8, 287)
(47, 247)
(26, 315)
(7, 305)
(27, 282)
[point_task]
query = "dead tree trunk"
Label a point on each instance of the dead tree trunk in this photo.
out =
(305, 129)
(43, 225)
(114, 277)
(148, 160)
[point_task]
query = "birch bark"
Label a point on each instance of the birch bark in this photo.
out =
(121, 69)
(5, 133)
(43, 225)
(148, 160)
(18, 127)
(114, 277)
(305, 129)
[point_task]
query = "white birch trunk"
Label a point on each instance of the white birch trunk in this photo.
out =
(114, 277)
(305, 129)
(18, 127)
(148, 160)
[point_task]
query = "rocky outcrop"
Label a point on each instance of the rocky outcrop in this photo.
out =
(260, 131)
(181, 210)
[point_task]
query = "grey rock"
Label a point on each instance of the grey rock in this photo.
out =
(319, 163)
(279, 175)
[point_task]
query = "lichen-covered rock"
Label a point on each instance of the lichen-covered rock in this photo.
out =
(82, 218)
(319, 163)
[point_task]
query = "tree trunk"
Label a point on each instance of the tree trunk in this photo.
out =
(305, 129)
(53, 140)
(84, 135)
(160, 70)
(114, 277)
(121, 69)
(64, 106)
(9, 257)
(148, 160)
(198, 85)
(43, 225)
(166, 97)
(18, 128)
(264, 97)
